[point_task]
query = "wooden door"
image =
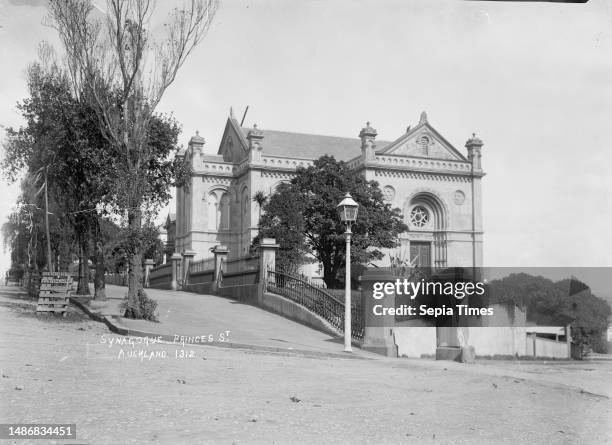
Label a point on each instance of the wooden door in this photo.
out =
(420, 254)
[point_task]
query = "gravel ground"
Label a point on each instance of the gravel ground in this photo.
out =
(64, 370)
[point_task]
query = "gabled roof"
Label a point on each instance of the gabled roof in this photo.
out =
(232, 126)
(313, 146)
(308, 146)
(391, 147)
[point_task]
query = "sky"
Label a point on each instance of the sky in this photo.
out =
(532, 80)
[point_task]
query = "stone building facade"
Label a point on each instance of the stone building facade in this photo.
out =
(437, 187)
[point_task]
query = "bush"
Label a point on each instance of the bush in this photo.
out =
(145, 309)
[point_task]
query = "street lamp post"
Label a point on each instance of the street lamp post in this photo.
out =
(347, 211)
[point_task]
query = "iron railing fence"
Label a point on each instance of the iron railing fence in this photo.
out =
(202, 265)
(162, 270)
(116, 279)
(316, 299)
(249, 263)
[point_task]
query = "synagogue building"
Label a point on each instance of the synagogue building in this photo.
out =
(436, 186)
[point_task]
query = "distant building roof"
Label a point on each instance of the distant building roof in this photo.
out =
(545, 330)
(310, 146)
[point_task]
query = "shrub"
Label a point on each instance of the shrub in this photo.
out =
(145, 309)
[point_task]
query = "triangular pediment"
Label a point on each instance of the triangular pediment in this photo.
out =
(423, 141)
(233, 147)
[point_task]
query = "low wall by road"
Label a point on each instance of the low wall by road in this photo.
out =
(289, 309)
(550, 348)
(160, 277)
(415, 341)
(242, 286)
(200, 282)
(491, 341)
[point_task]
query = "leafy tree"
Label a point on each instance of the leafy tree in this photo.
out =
(302, 217)
(558, 303)
(63, 138)
(60, 138)
(123, 72)
(260, 199)
(117, 245)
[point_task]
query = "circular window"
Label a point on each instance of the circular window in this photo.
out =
(419, 216)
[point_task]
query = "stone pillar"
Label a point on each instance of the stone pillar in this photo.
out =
(254, 137)
(176, 259)
(474, 148)
(267, 261)
(196, 143)
(220, 253)
(187, 258)
(149, 263)
(367, 136)
(378, 336)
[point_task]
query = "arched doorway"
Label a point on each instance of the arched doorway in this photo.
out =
(427, 220)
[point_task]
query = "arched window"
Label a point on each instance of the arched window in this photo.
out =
(245, 208)
(423, 145)
(224, 212)
(212, 205)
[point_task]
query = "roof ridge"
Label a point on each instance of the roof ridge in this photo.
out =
(247, 129)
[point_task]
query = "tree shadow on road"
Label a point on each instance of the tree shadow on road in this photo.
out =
(24, 306)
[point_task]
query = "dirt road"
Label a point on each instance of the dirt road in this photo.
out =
(67, 371)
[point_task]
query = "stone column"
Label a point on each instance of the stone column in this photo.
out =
(187, 258)
(378, 336)
(149, 263)
(267, 261)
(176, 259)
(220, 253)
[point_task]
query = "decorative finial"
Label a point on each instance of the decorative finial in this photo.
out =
(255, 133)
(367, 131)
(408, 129)
(474, 141)
(197, 139)
(423, 118)
(232, 112)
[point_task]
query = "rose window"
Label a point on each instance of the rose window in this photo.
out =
(419, 216)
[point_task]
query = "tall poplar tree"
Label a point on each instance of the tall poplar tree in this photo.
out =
(123, 71)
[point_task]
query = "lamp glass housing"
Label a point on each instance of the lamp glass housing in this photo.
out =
(347, 209)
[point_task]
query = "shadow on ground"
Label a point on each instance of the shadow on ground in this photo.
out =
(24, 306)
